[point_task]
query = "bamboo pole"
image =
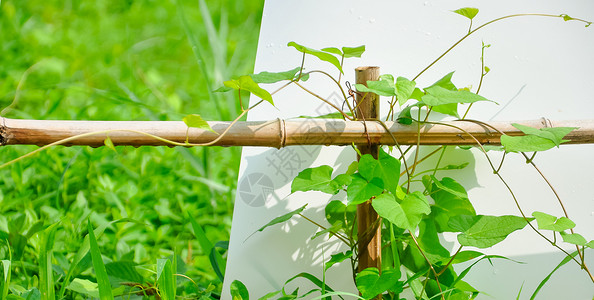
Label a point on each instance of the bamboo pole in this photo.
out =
(368, 222)
(276, 133)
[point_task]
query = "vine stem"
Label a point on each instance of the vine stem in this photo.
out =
(481, 26)
(428, 262)
(339, 236)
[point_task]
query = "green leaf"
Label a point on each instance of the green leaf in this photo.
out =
(450, 186)
(6, 280)
(316, 179)
(100, 272)
(109, 144)
(324, 56)
(196, 121)
(490, 230)
(246, 83)
(333, 50)
(207, 247)
(239, 291)
(526, 143)
(429, 241)
(385, 169)
(283, 218)
(463, 256)
(461, 223)
(361, 190)
(222, 89)
(444, 82)
(404, 89)
(574, 238)
(469, 12)
(273, 77)
(353, 51)
(125, 270)
(370, 283)
(555, 134)
(549, 222)
(338, 212)
(447, 109)
(590, 244)
(407, 214)
(405, 117)
(46, 272)
(390, 170)
(451, 200)
(380, 87)
(85, 287)
(535, 139)
(337, 258)
(437, 95)
(79, 262)
(166, 279)
(346, 51)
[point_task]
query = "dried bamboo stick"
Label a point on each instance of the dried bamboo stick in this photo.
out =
(275, 133)
(368, 222)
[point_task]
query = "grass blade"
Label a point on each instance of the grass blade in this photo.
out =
(82, 252)
(100, 272)
(166, 279)
(6, 280)
(208, 248)
(544, 281)
(46, 273)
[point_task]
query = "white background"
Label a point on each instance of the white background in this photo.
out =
(540, 67)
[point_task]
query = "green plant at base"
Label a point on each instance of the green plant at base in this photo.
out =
(413, 256)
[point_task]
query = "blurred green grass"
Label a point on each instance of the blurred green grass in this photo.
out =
(120, 60)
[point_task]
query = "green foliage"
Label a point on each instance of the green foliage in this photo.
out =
(103, 283)
(370, 283)
(246, 83)
(346, 52)
(486, 231)
(549, 222)
(273, 77)
(166, 279)
(123, 60)
(406, 214)
(196, 121)
(535, 139)
(324, 56)
(469, 12)
(239, 291)
(283, 218)
(316, 179)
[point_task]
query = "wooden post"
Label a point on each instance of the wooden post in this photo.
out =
(369, 227)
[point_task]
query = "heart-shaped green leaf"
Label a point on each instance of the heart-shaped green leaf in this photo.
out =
(549, 222)
(407, 214)
(490, 230)
(437, 95)
(370, 283)
(324, 56)
(246, 83)
(196, 121)
(361, 190)
(469, 12)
